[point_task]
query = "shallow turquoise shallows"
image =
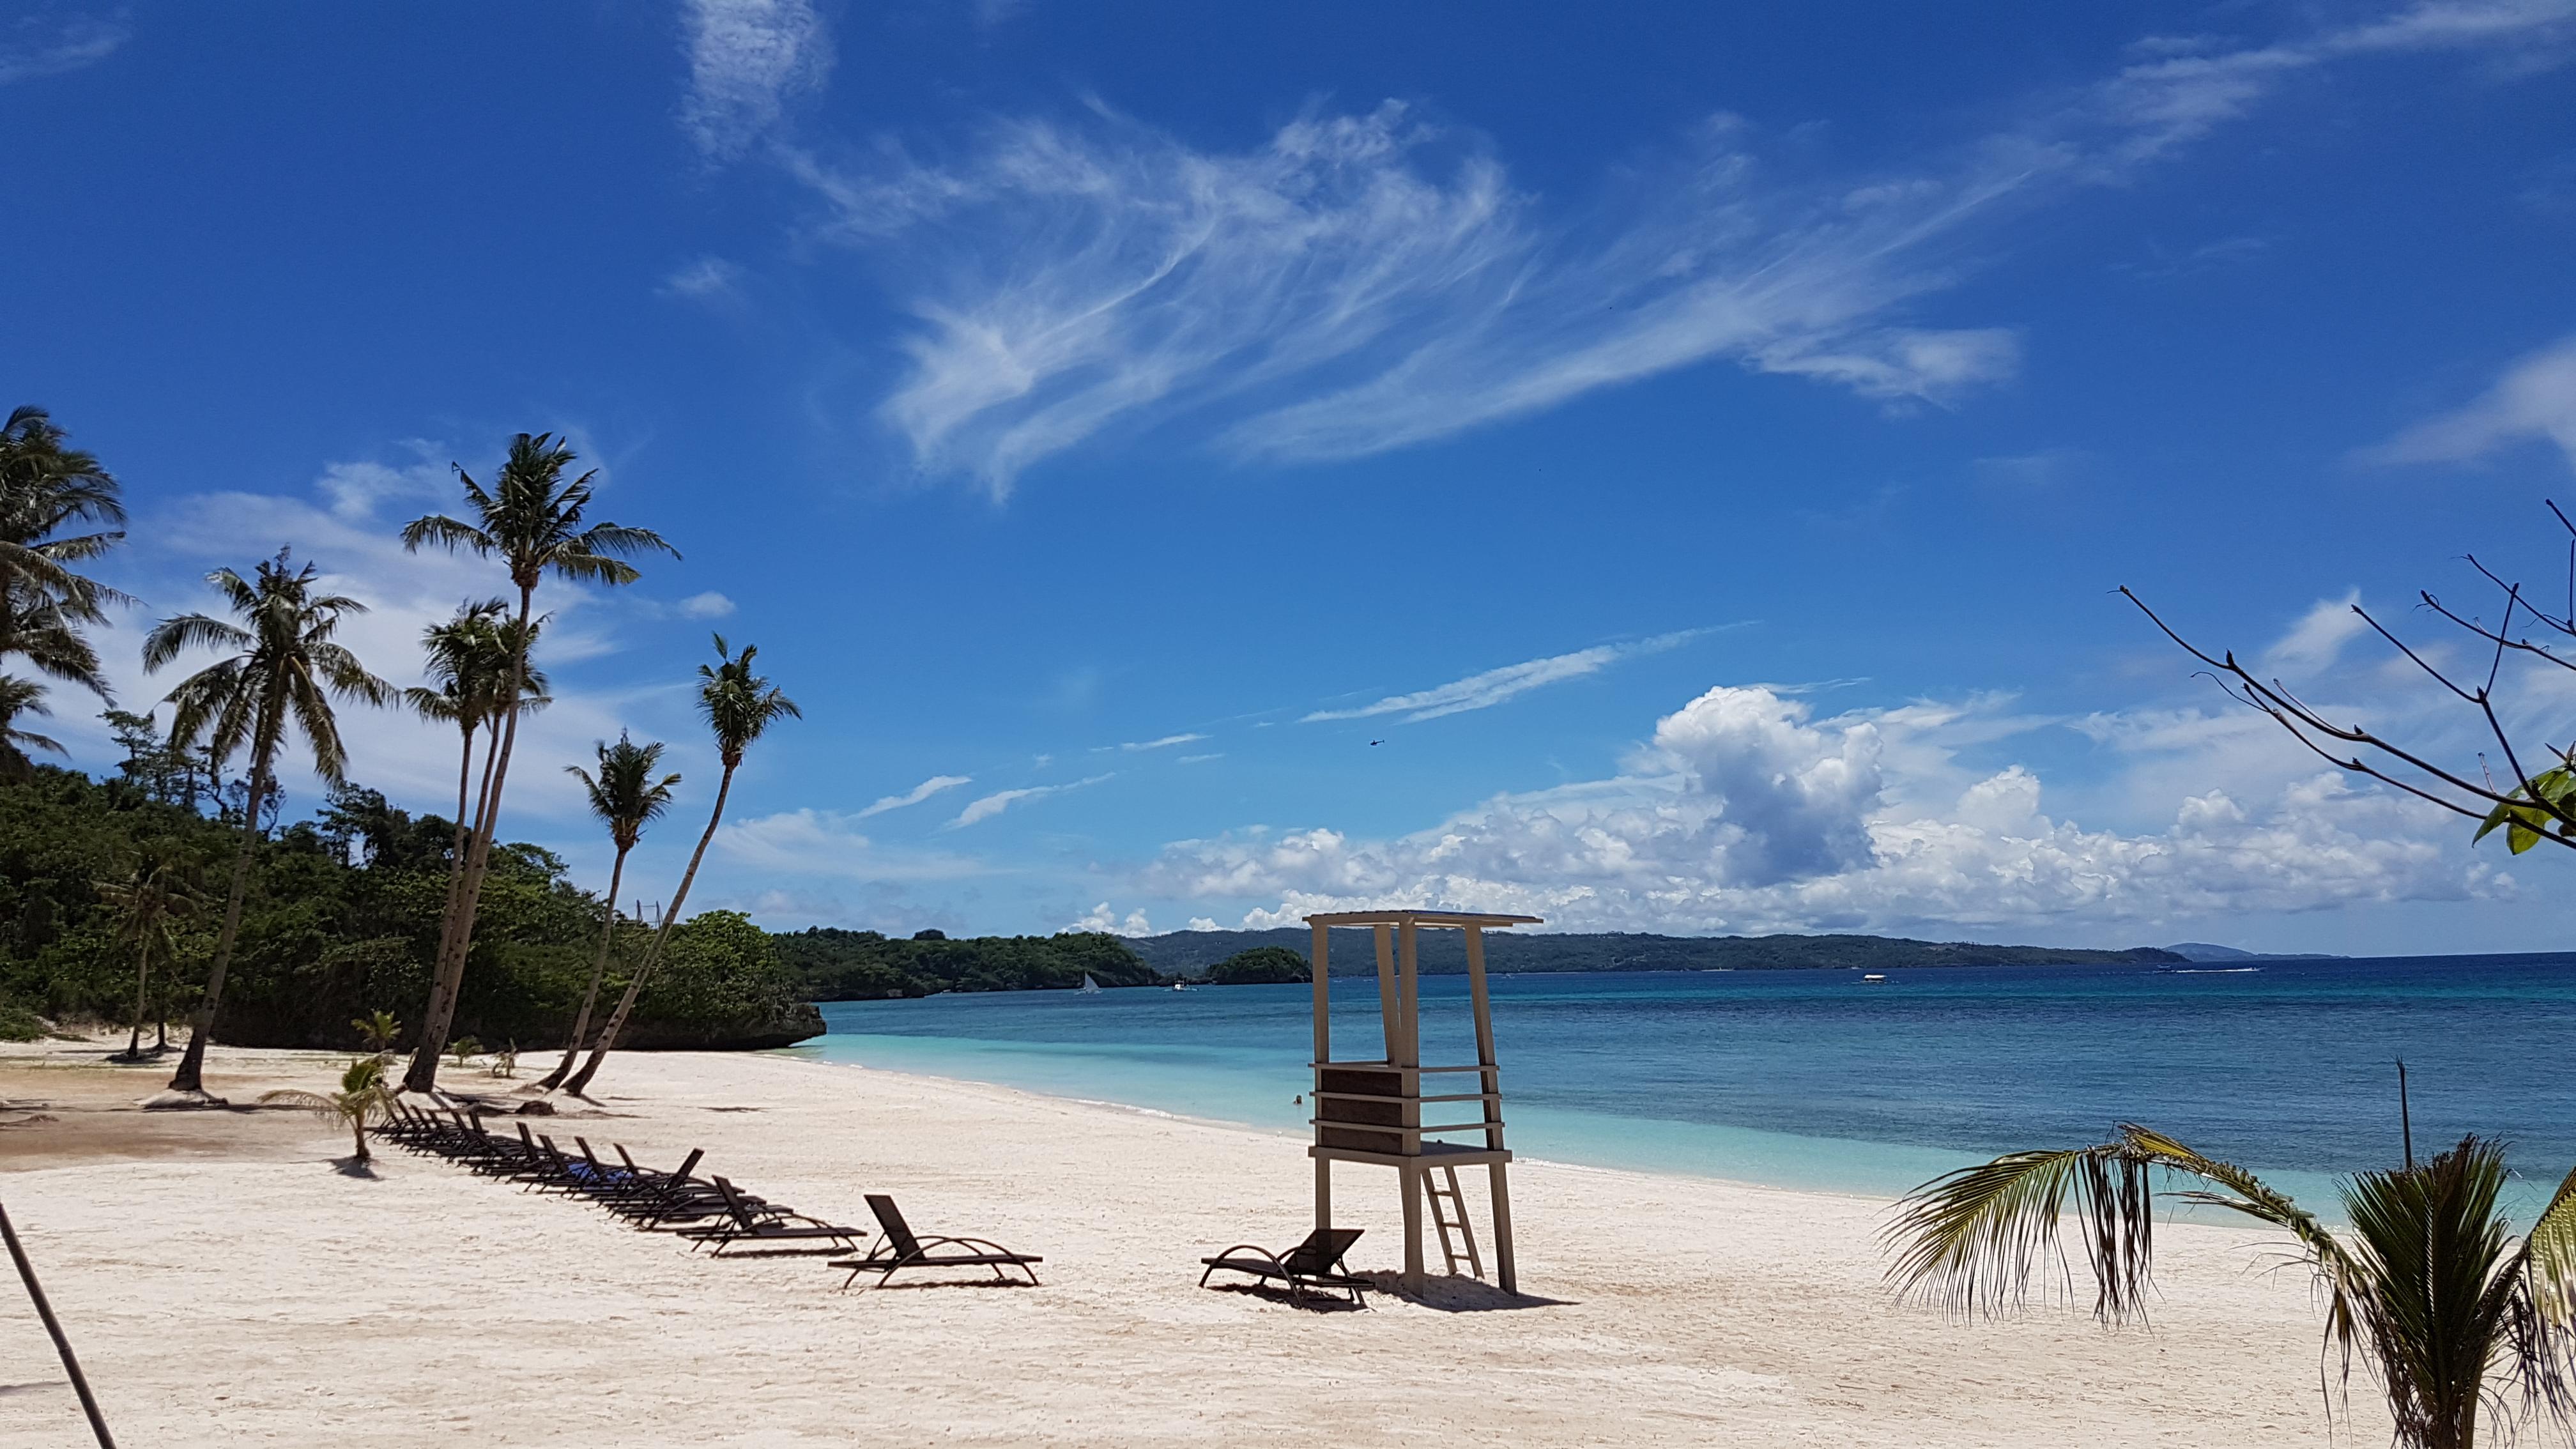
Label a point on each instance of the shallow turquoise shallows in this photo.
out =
(1820, 1080)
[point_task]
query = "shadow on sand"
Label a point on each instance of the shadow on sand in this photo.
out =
(354, 1167)
(1315, 1302)
(1461, 1295)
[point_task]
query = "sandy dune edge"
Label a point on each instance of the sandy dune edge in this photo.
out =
(225, 1285)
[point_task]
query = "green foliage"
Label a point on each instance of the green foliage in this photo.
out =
(17, 1023)
(377, 1029)
(362, 1098)
(2429, 1285)
(463, 1049)
(838, 965)
(340, 925)
(2547, 808)
(1261, 965)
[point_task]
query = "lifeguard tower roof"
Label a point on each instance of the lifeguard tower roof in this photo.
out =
(1419, 918)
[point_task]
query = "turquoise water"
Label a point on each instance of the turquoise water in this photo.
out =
(1814, 1079)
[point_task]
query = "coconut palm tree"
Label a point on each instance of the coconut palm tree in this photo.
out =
(739, 707)
(151, 901)
(362, 1098)
(20, 697)
(282, 675)
(46, 488)
(626, 798)
(470, 658)
(2452, 1313)
(532, 520)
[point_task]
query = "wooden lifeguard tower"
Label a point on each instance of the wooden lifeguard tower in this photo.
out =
(1371, 1110)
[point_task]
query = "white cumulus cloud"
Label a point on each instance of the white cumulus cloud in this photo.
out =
(1101, 918)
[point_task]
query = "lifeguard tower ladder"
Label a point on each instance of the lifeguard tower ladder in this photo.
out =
(1372, 1111)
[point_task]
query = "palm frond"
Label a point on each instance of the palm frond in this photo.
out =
(448, 533)
(173, 637)
(1972, 1239)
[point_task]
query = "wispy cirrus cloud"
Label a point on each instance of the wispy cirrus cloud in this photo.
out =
(1493, 686)
(2534, 399)
(988, 806)
(746, 57)
(42, 45)
(1165, 743)
(1370, 281)
(914, 796)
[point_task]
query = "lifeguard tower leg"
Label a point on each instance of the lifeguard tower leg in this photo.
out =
(1411, 1176)
(1503, 1272)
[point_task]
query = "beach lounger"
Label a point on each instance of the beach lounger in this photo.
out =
(902, 1250)
(743, 1223)
(1310, 1266)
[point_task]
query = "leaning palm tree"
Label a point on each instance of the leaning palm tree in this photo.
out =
(470, 658)
(2452, 1313)
(626, 798)
(151, 901)
(531, 519)
(282, 674)
(362, 1098)
(739, 706)
(21, 697)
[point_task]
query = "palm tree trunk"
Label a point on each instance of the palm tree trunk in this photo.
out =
(201, 1022)
(598, 972)
(142, 981)
(459, 938)
(653, 956)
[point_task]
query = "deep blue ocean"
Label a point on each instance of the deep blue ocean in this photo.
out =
(1816, 1079)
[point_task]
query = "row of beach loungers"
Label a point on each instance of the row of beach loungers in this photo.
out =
(713, 1213)
(709, 1211)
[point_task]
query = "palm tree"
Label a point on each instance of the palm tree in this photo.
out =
(46, 488)
(739, 706)
(626, 797)
(361, 1099)
(378, 1029)
(284, 673)
(153, 899)
(2453, 1313)
(470, 658)
(17, 697)
(531, 519)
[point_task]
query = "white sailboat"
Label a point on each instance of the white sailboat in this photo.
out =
(1089, 986)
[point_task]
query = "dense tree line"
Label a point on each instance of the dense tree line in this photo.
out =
(342, 920)
(838, 965)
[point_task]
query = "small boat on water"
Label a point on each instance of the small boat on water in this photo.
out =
(1089, 987)
(1872, 976)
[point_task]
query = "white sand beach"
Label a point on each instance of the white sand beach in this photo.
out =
(224, 1284)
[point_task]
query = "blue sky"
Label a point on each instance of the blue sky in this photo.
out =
(1655, 467)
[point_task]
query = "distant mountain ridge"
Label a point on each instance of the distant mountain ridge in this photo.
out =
(1189, 953)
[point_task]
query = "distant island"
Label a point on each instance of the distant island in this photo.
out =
(841, 965)
(2204, 953)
